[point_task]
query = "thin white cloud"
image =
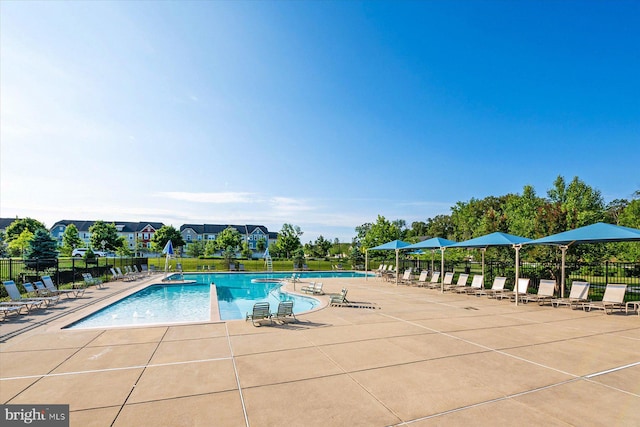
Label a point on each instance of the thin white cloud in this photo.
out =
(227, 197)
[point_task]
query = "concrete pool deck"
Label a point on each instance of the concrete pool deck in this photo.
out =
(420, 358)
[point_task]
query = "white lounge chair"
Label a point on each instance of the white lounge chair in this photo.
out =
(89, 280)
(422, 280)
(285, 309)
(406, 277)
(33, 294)
(260, 312)
(6, 308)
(612, 299)
(544, 294)
(477, 284)
(579, 294)
(17, 299)
(435, 281)
(51, 287)
(518, 291)
(496, 289)
(448, 281)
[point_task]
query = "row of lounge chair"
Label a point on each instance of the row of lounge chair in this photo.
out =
(613, 298)
(313, 288)
(131, 273)
(40, 294)
(262, 312)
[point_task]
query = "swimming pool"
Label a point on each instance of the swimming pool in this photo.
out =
(179, 302)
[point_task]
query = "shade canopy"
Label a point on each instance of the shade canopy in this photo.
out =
(396, 244)
(493, 239)
(434, 243)
(496, 239)
(595, 233)
(599, 232)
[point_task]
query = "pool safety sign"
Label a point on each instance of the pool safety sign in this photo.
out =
(35, 415)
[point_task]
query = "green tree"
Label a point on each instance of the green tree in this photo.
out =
(4, 249)
(614, 209)
(104, 236)
(15, 229)
(418, 229)
(467, 218)
(321, 247)
(582, 204)
(261, 245)
(229, 238)
(440, 226)
(210, 248)
(123, 249)
(630, 217)
(288, 240)
(298, 257)
(356, 257)
(42, 250)
(70, 240)
(379, 233)
(163, 235)
(19, 245)
(521, 211)
(229, 255)
(246, 251)
(195, 249)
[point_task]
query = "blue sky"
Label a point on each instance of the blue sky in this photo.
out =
(315, 113)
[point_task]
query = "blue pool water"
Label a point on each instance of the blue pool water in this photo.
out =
(179, 303)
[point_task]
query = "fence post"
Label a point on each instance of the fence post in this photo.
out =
(606, 272)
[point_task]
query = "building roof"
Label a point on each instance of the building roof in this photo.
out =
(121, 226)
(218, 228)
(5, 222)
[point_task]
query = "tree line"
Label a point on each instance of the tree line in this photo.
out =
(567, 205)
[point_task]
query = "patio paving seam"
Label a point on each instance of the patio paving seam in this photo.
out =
(41, 376)
(122, 368)
(235, 372)
(139, 376)
(489, 348)
(486, 402)
(352, 378)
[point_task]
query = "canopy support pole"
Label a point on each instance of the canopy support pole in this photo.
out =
(483, 250)
(516, 287)
(433, 252)
(397, 266)
(563, 249)
(442, 271)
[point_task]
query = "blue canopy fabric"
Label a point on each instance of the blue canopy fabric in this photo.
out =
(595, 233)
(599, 232)
(394, 245)
(434, 243)
(496, 239)
(493, 239)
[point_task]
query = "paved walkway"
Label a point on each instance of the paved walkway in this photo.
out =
(421, 358)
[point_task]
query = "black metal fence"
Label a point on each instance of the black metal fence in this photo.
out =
(63, 271)
(597, 274)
